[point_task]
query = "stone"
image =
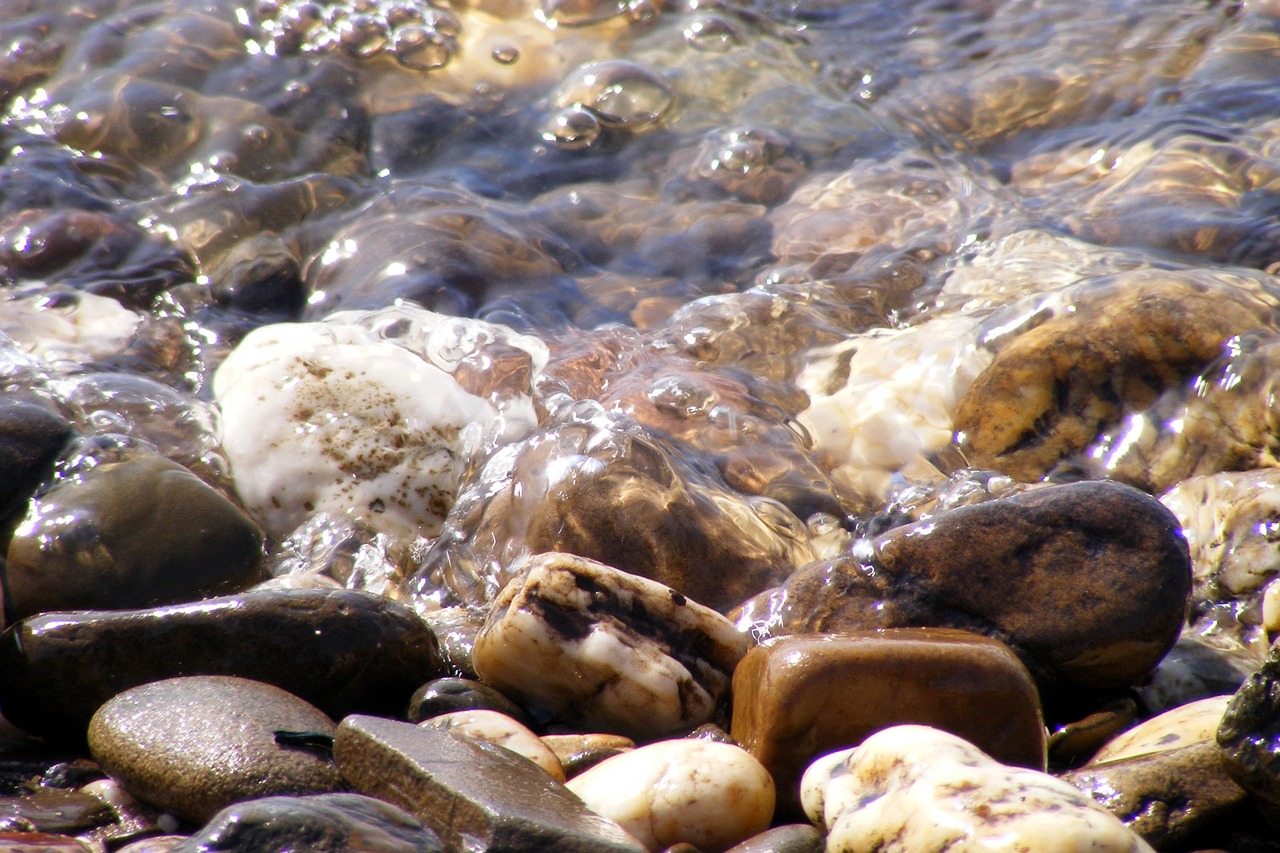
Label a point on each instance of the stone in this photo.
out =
(788, 838)
(1087, 582)
(135, 531)
(1073, 742)
(154, 844)
(606, 650)
(1249, 733)
(708, 794)
(474, 795)
(1199, 667)
(796, 698)
(500, 730)
(1195, 722)
(341, 650)
(55, 811)
(316, 823)
(31, 437)
(446, 695)
(914, 789)
(1169, 797)
(41, 842)
(580, 752)
(192, 746)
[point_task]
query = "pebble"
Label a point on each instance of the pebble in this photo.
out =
(31, 437)
(500, 730)
(40, 842)
(712, 795)
(1087, 582)
(605, 649)
(474, 795)
(914, 789)
(192, 746)
(1249, 734)
(1192, 723)
(788, 838)
(581, 752)
(343, 651)
(133, 531)
(316, 823)
(446, 695)
(796, 698)
(55, 811)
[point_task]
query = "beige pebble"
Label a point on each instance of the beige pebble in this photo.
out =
(701, 792)
(1195, 722)
(500, 729)
(582, 751)
(914, 789)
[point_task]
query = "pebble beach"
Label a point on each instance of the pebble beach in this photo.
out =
(683, 426)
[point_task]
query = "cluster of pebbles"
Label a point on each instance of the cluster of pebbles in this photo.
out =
(639, 425)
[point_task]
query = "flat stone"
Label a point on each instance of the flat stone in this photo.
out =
(31, 436)
(591, 645)
(701, 792)
(194, 745)
(476, 796)
(342, 650)
(40, 842)
(1167, 797)
(56, 811)
(798, 697)
(134, 532)
(317, 823)
(1087, 582)
(914, 788)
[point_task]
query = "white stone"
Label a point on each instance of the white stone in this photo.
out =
(504, 731)
(71, 331)
(702, 792)
(915, 789)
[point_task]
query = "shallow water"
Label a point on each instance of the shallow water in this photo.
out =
(759, 253)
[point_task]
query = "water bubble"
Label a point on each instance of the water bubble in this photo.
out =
(711, 33)
(752, 164)
(505, 54)
(643, 11)
(422, 48)
(620, 93)
(362, 36)
(402, 13)
(445, 23)
(681, 396)
(573, 129)
(578, 13)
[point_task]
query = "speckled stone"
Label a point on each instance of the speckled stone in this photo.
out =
(1087, 582)
(1168, 797)
(134, 532)
(341, 650)
(475, 795)
(798, 697)
(318, 823)
(700, 792)
(194, 745)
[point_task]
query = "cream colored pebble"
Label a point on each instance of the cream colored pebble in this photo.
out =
(502, 730)
(914, 789)
(705, 793)
(1195, 722)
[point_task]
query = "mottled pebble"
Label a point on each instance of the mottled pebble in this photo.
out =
(708, 794)
(1195, 722)
(194, 745)
(500, 730)
(913, 789)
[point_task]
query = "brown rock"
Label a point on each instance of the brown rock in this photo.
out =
(796, 698)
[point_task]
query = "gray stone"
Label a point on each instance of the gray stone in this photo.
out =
(788, 838)
(318, 823)
(475, 795)
(133, 531)
(342, 650)
(193, 746)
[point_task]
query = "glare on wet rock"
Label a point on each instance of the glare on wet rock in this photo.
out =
(500, 730)
(598, 647)
(801, 696)
(914, 789)
(69, 329)
(709, 794)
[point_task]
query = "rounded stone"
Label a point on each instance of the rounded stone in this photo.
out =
(447, 695)
(30, 437)
(194, 745)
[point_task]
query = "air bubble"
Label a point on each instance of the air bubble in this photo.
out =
(362, 36)
(620, 93)
(573, 129)
(505, 54)
(422, 49)
(578, 13)
(711, 33)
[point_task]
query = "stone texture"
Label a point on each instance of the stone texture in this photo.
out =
(446, 695)
(700, 792)
(1249, 733)
(500, 730)
(31, 436)
(796, 698)
(1167, 797)
(476, 796)
(600, 648)
(1087, 582)
(318, 823)
(194, 745)
(343, 651)
(913, 789)
(134, 532)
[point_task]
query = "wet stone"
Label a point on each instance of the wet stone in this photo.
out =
(799, 697)
(708, 794)
(581, 752)
(195, 745)
(319, 823)
(605, 649)
(921, 789)
(342, 650)
(31, 437)
(500, 730)
(1186, 725)
(788, 838)
(1086, 582)
(41, 842)
(134, 531)
(55, 811)
(446, 695)
(474, 795)
(1249, 733)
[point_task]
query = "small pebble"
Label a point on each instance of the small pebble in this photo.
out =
(500, 730)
